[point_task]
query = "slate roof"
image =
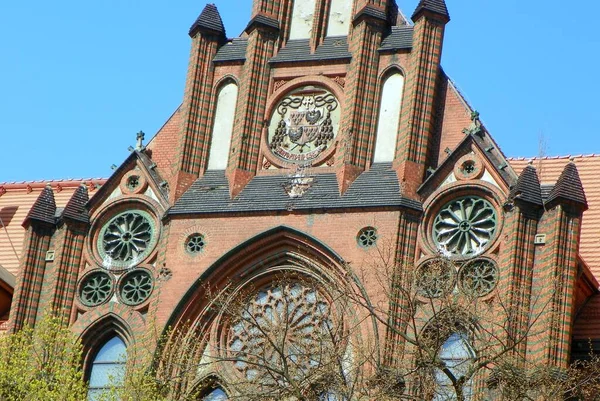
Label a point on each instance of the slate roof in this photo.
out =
(333, 48)
(377, 187)
(371, 11)
(528, 187)
(568, 186)
(75, 208)
(209, 20)
(263, 20)
(436, 6)
(400, 37)
(234, 50)
(44, 208)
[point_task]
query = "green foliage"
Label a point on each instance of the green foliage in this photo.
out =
(43, 363)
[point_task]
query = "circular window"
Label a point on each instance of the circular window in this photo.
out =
(435, 278)
(126, 239)
(133, 182)
(478, 277)
(95, 288)
(367, 237)
(464, 226)
(135, 287)
(195, 243)
(293, 313)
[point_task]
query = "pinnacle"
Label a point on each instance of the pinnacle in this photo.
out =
(569, 187)
(528, 187)
(435, 6)
(44, 208)
(75, 208)
(208, 21)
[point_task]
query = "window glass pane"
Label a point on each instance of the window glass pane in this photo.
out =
(389, 118)
(216, 395)
(457, 354)
(108, 368)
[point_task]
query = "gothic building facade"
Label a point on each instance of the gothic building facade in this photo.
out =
(326, 130)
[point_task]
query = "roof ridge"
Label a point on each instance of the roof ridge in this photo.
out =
(580, 156)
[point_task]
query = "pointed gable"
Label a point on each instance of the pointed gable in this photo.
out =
(209, 21)
(528, 188)
(568, 187)
(44, 208)
(75, 208)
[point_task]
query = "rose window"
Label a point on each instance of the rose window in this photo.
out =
(435, 278)
(135, 287)
(367, 237)
(126, 239)
(478, 277)
(95, 289)
(465, 226)
(282, 325)
(195, 243)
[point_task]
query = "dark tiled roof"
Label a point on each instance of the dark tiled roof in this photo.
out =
(528, 187)
(377, 187)
(370, 11)
(569, 186)
(546, 191)
(400, 37)
(44, 208)
(235, 50)
(75, 208)
(436, 6)
(209, 20)
(333, 48)
(263, 20)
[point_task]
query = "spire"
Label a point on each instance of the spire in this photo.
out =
(75, 209)
(44, 208)
(528, 187)
(434, 6)
(209, 21)
(569, 187)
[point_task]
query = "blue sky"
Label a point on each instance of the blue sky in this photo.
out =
(78, 79)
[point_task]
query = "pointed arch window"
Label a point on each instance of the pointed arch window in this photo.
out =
(390, 108)
(216, 394)
(302, 19)
(223, 126)
(339, 18)
(108, 368)
(457, 355)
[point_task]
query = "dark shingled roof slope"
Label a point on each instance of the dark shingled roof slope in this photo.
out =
(44, 208)
(400, 37)
(436, 6)
(209, 20)
(377, 187)
(569, 187)
(528, 187)
(75, 208)
(333, 48)
(232, 51)
(263, 20)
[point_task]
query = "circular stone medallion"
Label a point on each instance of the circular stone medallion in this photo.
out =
(304, 124)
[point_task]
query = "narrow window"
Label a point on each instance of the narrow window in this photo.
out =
(302, 19)
(456, 354)
(389, 118)
(215, 395)
(108, 368)
(339, 18)
(223, 127)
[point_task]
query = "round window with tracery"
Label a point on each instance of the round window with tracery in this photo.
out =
(286, 324)
(126, 239)
(465, 226)
(478, 277)
(96, 288)
(435, 278)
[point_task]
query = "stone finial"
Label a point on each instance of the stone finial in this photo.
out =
(140, 141)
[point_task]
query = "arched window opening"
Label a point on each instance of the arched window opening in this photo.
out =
(216, 394)
(457, 355)
(108, 368)
(389, 118)
(302, 19)
(223, 127)
(339, 18)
